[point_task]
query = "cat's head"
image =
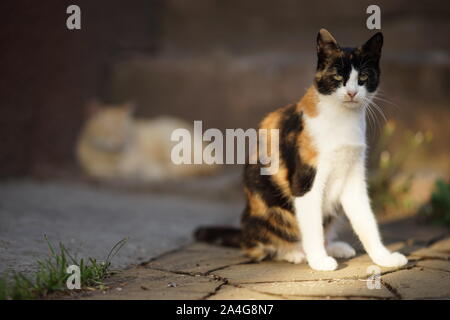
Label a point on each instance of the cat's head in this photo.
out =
(108, 127)
(349, 76)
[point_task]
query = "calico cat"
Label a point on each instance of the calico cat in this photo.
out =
(115, 145)
(291, 215)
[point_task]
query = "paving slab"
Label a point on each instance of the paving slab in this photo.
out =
(202, 271)
(418, 283)
(198, 258)
(271, 271)
(282, 271)
(227, 292)
(428, 253)
(435, 264)
(323, 289)
(413, 230)
(147, 284)
(441, 246)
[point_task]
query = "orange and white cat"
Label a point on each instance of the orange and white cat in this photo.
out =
(113, 144)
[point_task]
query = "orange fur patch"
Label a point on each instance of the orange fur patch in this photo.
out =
(284, 220)
(259, 252)
(308, 151)
(256, 205)
(271, 121)
(281, 179)
(308, 104)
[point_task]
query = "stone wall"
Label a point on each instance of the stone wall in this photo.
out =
(224, 62)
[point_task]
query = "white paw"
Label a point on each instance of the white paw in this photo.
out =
(391, 260)
(296, 257)
(323, 264)
(340, 249)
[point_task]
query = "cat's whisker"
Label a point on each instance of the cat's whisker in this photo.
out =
(376, 107)
(380, 94)
(376, 121)
(372, 107)
(379, 109)
(387, 101)
(370, 116)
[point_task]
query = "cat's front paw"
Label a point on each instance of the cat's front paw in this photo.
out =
(391, 260)
(325, 263)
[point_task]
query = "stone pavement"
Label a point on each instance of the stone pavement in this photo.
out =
(202, 271)
(89, 219)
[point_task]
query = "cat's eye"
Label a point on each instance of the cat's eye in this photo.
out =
(363, 77)
(337, 77)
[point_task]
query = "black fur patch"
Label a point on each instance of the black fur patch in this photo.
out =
(265, 187)
(261, 226)
(302, 180)
(300, 175)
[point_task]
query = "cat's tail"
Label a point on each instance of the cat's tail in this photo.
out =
(221, 235)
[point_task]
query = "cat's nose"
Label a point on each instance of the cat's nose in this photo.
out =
(351, 93)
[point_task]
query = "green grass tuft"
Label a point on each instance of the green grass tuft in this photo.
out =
(51, 274)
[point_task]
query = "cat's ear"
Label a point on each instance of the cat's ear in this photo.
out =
(373, 45)
(326, 43)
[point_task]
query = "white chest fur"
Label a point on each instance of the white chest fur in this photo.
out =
(338, 133)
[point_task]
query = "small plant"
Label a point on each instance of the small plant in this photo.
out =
(438, 208)
(388, 183)
(51, 275)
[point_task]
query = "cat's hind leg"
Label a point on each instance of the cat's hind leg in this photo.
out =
(336, 249)
(340, 249)
(292, 253)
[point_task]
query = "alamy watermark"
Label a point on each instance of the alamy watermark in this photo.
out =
(374, 279)
(237, 147)
(374, 20)
(73, 21)
(74, 280)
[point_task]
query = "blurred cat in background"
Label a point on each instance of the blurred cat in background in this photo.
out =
(114, 144)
